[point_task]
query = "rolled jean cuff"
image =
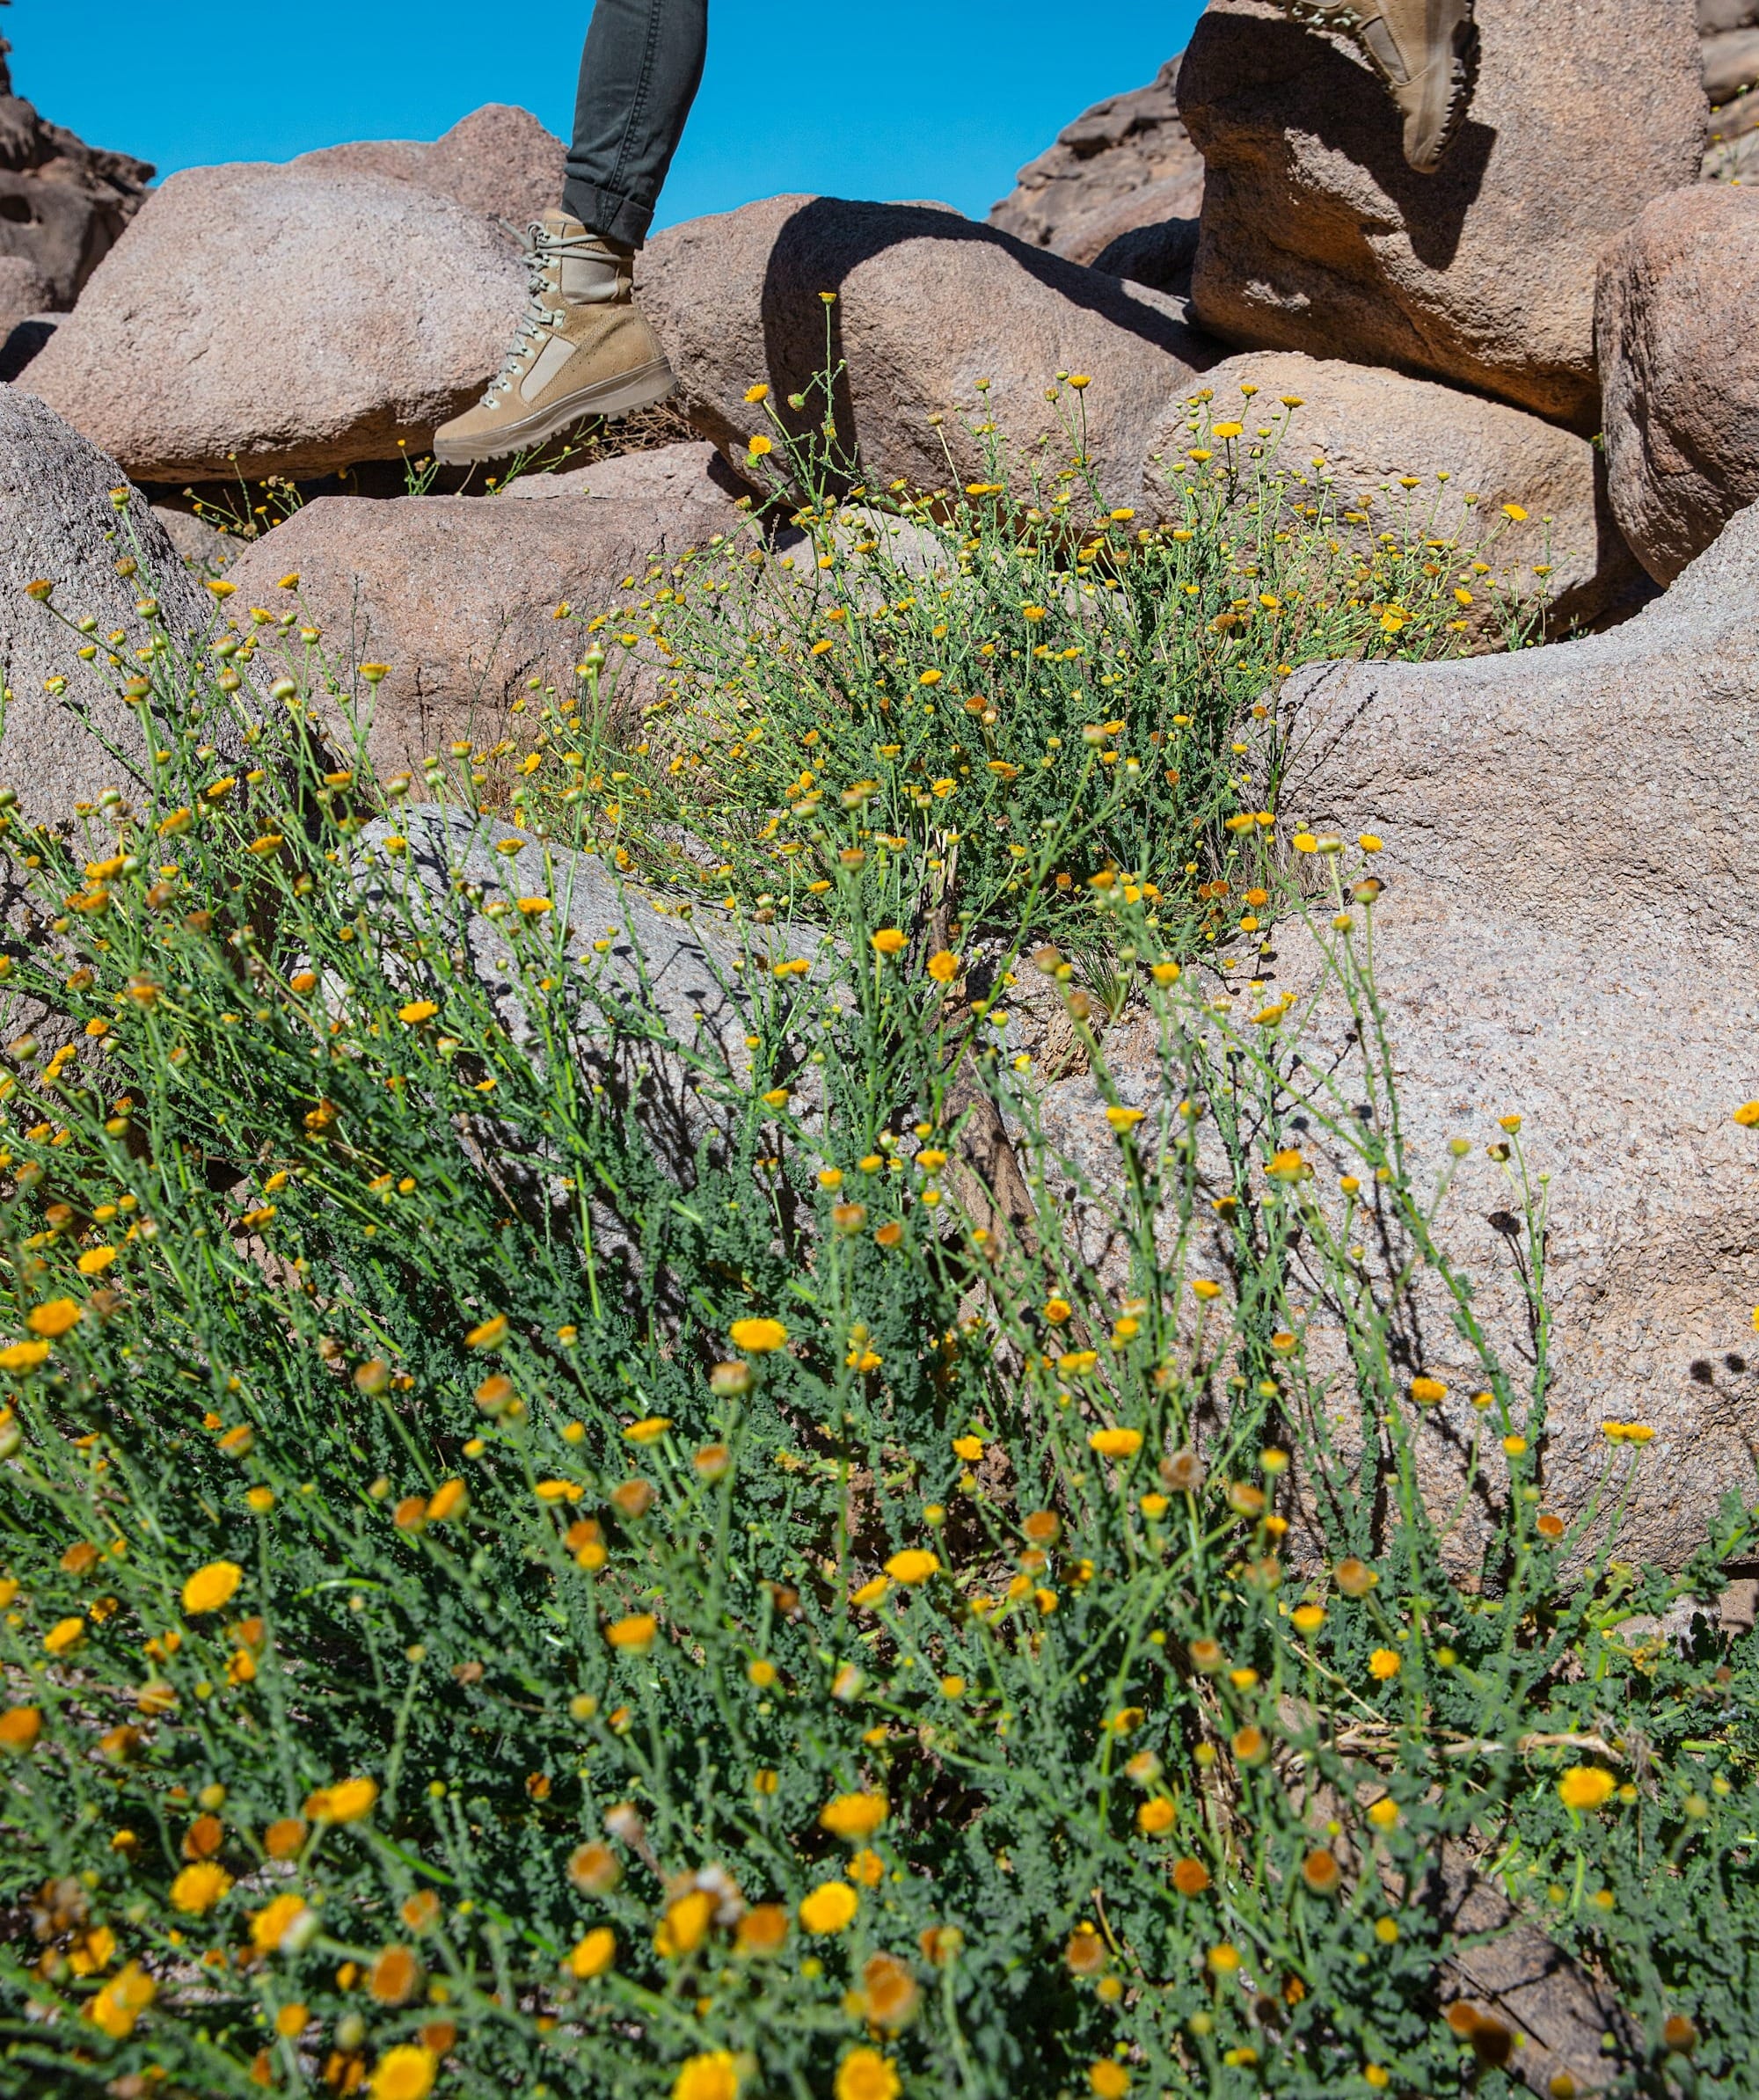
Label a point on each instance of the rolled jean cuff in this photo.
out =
(617, 218)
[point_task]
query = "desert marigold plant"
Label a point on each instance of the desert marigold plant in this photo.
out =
(787, 1544)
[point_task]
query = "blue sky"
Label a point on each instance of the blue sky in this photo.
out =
(941, 99)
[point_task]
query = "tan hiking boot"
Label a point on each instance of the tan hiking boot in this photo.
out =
(584, 348)
(1423, 49)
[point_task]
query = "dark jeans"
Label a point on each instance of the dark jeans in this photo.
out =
(639, 74)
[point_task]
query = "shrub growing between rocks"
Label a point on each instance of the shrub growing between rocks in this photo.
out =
(497, 1600)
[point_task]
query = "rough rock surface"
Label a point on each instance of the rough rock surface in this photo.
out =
(1371, 427)
(201, 547)
(1733, 150)
(684, 974)
(382, 308)
(1124, 166)
(24, 341)
(1317, 237)
(499, 161)
(63, 204)
(1675, 328)
(24, 292)
(1731, 63)
(688, 473)
(645, 963)
(1569, 933)
(926, 304)
(1156, 252)
(458, 595)
(57, 524)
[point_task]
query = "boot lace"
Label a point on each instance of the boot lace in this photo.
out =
(545, 253)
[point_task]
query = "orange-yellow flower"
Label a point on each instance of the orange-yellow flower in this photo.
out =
(713, 2076)
(213, 1587)
(685, 1924)
(762, 1929)
(864, 2074)
(1190, 1877)
(1115, 1443)
(199, 1887)
(943, 967)
(345, 1802)
(53, 1319)
(636, 1632)
(914, 1565)
(270, 1925)
(594, 1955)
(853, 1815)
(120, 2003)
(1385, 1663)
(20, 1727)
(406, 2072)
(758, 1338)
(829, 1908)
(888, 941)
(1586, 1786)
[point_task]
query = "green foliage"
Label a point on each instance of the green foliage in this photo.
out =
(1015, 685)
(652, 1459)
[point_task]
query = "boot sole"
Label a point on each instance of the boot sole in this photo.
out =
(1462, 63)
(644, 387)
(1462, 86)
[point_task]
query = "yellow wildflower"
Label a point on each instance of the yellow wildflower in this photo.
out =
(830, 1908)
(406, 2072)
(865, 2074)
(853, 1815)
(199, 1887)
(713, 2076)
(53, 1319)
(213, 1587)
(635, 1632)
(1586, 1786)
(758, 1338)
(594, 1955)
(345, 1802)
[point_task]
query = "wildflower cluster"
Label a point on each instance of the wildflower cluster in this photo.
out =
(562, 1535)
(1004, 683)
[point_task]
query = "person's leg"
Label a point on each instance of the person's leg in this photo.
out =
(584, 348)
(1423, 49)
(639, 74)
